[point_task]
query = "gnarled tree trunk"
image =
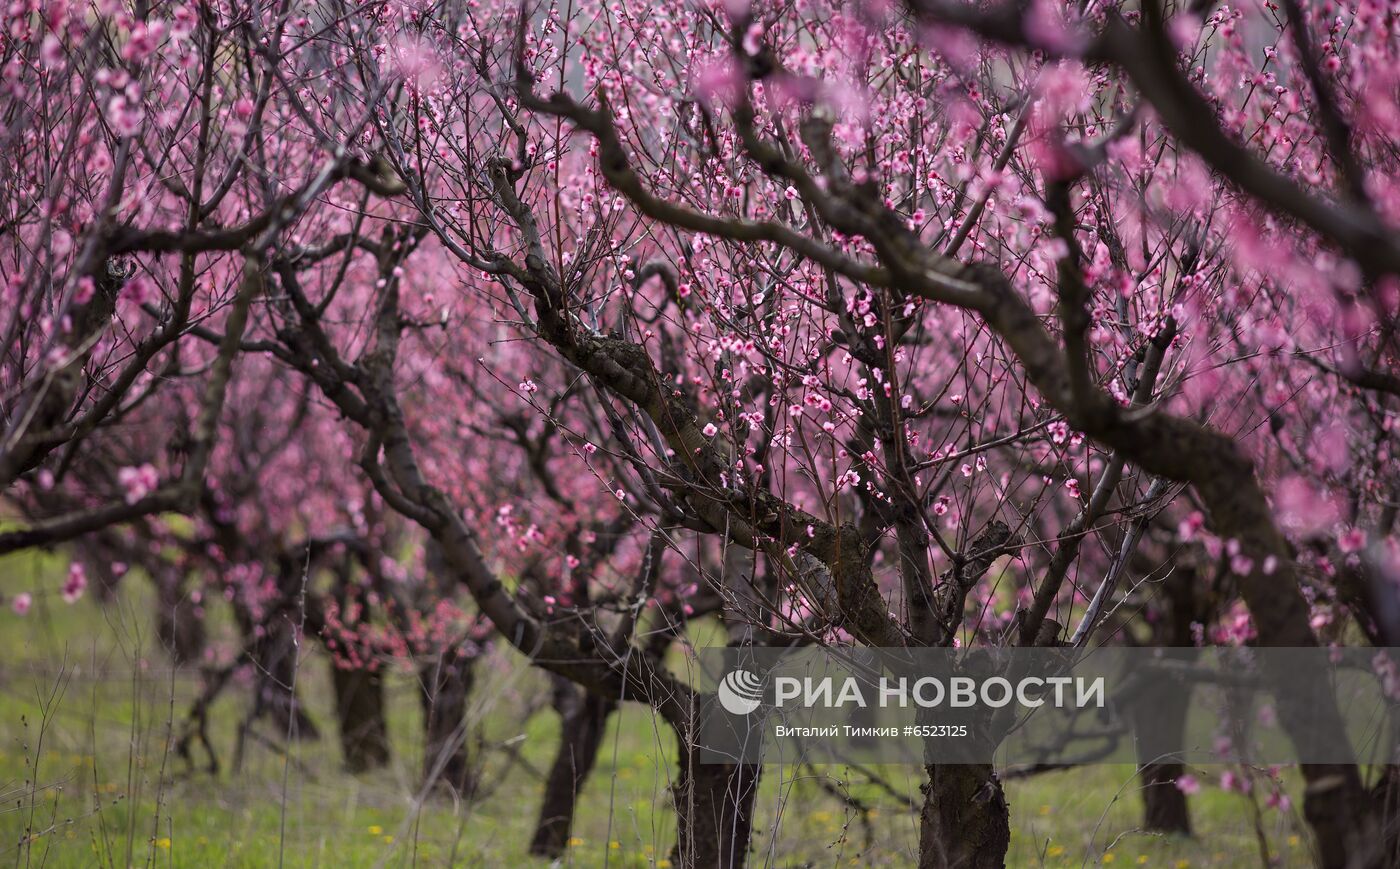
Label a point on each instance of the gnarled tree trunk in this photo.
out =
(1165, 806)
(447, 684)
(364, 732)
(178, 622)
(965, 822)
(275, 658)
(584, 718)
(714, 812)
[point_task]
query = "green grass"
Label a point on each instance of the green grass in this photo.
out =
(87, 701)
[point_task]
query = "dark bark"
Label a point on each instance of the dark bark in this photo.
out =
(273, 653)
(1385, 796)
(178, 623)
(965, 822)
(275, 663)
(584, 718)
(447, 684)
(364, 731)
(714, 812)
(1165, 806)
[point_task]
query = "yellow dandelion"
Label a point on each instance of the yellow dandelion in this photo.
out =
(575, 841)
(1142, 859)
(614, 845)
(1183, 864)
(163, 843)
(1056, 850)
(376, 830)
(1109, 857)
(1293, 841)
(388, 840)
(1044, 810)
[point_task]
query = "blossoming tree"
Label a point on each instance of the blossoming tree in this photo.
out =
(929, 324)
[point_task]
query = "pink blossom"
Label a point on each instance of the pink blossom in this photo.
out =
(753, 38)
(1303, 509)
(1352, 540)
(136, 291)
(75, 584)
(124, 115)
(145, 37)
(1184, 30)
(1046, 27)
(1064, 89)
(1057, 248)
(1232, 781)
(51, 52)
(1057, 163)
(417, 61)
(719, 81)
(21, 604)
(1192, 524)
(1188, 784)
(138, 482)
(184, 21)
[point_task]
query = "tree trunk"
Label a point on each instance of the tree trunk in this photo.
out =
(1385, 796)
(178, 622)
(364, 732)
(965, 822)
(1164, 804)
(714, 801)
(447, 684)
(714, 812)
(275, 656)
(584, 717)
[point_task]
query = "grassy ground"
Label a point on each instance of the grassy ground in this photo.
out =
(87, 702)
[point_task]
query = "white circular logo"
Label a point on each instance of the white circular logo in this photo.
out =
(740, 692)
